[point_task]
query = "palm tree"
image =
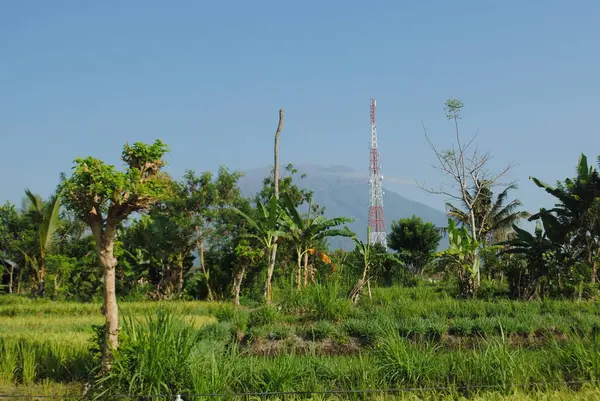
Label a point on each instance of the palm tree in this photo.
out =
(494, 220)
(305, 232)
(46, 218)
(267, 230)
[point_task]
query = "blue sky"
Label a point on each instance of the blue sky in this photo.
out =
(81, 78)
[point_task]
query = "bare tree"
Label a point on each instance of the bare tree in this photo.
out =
(271, 268)
(467, 169)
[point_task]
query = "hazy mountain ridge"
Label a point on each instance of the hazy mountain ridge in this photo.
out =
(345, 192)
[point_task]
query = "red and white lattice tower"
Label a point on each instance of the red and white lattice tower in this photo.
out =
(376, 220)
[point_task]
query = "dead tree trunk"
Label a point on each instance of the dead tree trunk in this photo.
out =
(273, 256)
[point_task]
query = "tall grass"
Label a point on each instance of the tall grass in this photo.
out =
(402, 337)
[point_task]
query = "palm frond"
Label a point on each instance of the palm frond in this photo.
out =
(457, 214)
(50, 223)
(249, 219)
(35, 201)
(501, 198)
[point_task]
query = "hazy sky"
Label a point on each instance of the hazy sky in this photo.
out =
(81, 78)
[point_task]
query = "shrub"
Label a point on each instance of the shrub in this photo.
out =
(264, 315)
(154, 357)
(319, 331)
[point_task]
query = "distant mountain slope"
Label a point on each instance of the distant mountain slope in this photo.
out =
(344, 192)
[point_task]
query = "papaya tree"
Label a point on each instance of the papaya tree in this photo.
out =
(104, 197)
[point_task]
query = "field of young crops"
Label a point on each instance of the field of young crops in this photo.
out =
(314, 341)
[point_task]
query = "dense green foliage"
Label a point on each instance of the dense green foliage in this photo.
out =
(323, 318)
(415, 241)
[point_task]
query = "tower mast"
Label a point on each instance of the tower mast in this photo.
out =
(376, 220)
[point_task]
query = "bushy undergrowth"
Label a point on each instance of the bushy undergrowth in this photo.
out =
(167, 355)
(402, 337)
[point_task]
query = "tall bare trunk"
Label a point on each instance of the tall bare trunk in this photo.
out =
(273, 258)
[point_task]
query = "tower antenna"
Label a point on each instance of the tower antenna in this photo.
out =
(376, 220)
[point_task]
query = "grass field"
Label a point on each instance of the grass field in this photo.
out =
(313, 341)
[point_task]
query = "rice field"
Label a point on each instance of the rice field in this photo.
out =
(314, 341)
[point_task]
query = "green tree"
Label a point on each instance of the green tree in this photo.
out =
(203, 200)
(493, 218)
(46, 219)
(461, 258)
(246, 256)
(415, 241)
(368, 255)
(305, 231)
(468, 172)
(267, 230)
(577, 212)
(10, 236)
(103, 197)
(159, 246)
(526, 279)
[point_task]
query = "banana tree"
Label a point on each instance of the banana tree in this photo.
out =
(369, 256)
(524, 281)
(305, 231)
(46, 218)
(267, 230)
(462, 257)
(578, 212)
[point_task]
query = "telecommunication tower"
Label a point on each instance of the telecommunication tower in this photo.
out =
(376, 220)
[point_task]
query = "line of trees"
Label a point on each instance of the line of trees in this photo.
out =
(154, 237)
